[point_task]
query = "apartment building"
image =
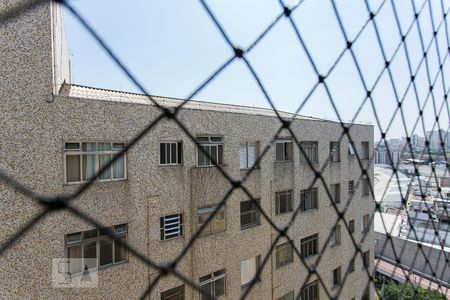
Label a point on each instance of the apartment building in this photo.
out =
(56, 135)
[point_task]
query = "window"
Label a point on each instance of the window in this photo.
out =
(288, 296)
(335, 190)
(365, 187)
(337, 277)
(213, 284)
(82, 161)
(249, 268)
(217, 222)
(210, 151)
(248, 153)
(365, 150)
(283, 150)
(170, 153)
(335, 152)
(351, 265)
(336, 236)
(250, 215)
(94, 249)
(366, 259)
(174, 294)
(308, 199)
(351, 226)
(351, 189)
(351, 149)
(171, 226)
(283, 202)
(284, 254)
(365, 224)
(311, 152)
(309, 245)
(310, 291)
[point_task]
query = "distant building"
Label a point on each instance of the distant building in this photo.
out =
(387, 157)
(436, 137)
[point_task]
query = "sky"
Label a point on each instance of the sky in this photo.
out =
(173, 46)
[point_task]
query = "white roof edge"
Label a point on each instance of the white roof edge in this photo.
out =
(85, 92)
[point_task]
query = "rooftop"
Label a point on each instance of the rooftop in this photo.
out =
(85, 92)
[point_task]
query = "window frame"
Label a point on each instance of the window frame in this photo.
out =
(173, 291)
(255, 278)
(80, 153)
(288, 296)
(365, 223)
(351, 187)
(179, 145)
(97, 239)
(219, 150)
(337, 277)
(335, 238)
(285, 153)
(278, 195)
(247, 167)
(311, 241)
(310, 291)
(332, 153)
(221, 274)
(162, 220)
(351, 151)
(351, 226)
(366, 256)
(365, 150)
(313, 148)
(288, 259)
(365, 187)
(351, 265)
(207, 211)
(336, 192)
(258, 215)
(313, 198)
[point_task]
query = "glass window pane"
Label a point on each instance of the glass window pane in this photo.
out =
(173, 153)
(104, 146)
(243, 155)
(74, 257)
(88, 167)
(90, 251)
(120, 252)
(73, 168)
(201, 155)
(73, 238)
(71, 146)
(219, 287)
(162, 153)
(106, 249)
(119, 167)
(89, 147)
(206, 288)
(180, 152)
(288, 151)
(279, 149)
(118, 146)
(251, 154)
(220, 154)
(104, 161)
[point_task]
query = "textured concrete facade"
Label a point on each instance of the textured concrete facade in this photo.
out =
(35, 121)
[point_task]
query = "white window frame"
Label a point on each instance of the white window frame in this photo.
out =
(246, 145)
(178, 144)
(212, 279)
(351, 149)
(284, 142)
(335, 190)
(365, 223)
(210, 143)
(278, 200)
(351, 187)
(335, 238)
(337, 152)
(96, 153)
(97, 239)
(337, 277)
(253, 211)
(162, 226)
(289, 259)
(254, 278)
(313, 199)
(311, 149)
(208, 211)
(311, 242)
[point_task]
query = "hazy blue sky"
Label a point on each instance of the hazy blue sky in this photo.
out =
(172, 46)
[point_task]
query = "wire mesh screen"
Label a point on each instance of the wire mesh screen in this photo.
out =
(426, 64)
